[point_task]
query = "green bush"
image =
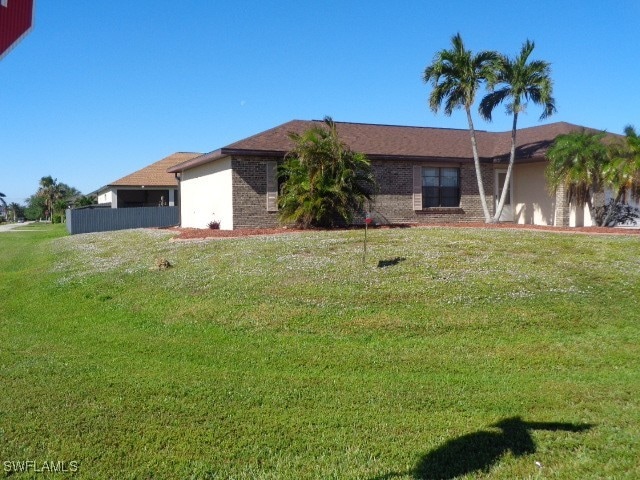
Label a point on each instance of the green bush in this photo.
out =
(323, 182)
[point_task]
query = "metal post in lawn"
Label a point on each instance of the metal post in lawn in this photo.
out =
(367, 221)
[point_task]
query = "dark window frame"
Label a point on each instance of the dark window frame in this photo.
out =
(440, 200)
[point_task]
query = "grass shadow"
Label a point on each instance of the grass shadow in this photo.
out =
(390, 263)
(479, 451)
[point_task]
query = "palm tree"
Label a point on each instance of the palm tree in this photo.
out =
(455, 76)
(323, 181)
(85, 200)
(51, 191)
(633, 146)
(576, 161)
(629, 154)
(519, 82)
(15, 209)
(61, 206)
(622, 171)
(46, 191)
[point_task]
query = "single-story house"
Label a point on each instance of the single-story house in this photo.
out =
(150, 186)
(425, 175)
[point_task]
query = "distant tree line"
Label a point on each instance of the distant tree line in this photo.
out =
(49, 202)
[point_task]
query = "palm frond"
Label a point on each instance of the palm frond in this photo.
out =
(576, 162)
(492, 100)
(527, 81)
(322, 180)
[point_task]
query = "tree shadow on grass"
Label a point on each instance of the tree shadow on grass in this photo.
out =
(479, 451)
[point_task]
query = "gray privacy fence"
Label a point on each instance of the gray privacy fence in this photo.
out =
(101, 219)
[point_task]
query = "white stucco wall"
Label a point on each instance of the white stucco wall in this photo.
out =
(206, 194)
(634, 202)
(105, 196)
(533, 205)
(579, 216)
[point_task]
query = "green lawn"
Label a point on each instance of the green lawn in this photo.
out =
(448, 352)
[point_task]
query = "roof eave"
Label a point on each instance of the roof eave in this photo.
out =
(145, 186)
(197, 161)
(372, 156)
(252, 153)
(422, 158)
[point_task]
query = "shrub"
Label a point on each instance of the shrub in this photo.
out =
(323, 182)
(214, 224)
(612, 214)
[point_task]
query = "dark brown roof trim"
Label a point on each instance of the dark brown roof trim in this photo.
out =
(413, 158)
(253, 153)
(196, 162)
(278, 153)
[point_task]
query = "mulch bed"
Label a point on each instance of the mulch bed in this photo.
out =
(196, 233)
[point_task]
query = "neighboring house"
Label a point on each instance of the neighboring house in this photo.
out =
(426, 175)
(150, 186)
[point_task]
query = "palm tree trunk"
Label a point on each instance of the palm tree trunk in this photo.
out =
(507, 180)
(476, 161)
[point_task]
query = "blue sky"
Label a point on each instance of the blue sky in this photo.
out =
(100, 89)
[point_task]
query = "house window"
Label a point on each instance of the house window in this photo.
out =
(440, 187)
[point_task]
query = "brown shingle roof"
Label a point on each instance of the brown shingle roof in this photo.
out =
(399, 142)
(155, 175)
(373, 140)
(532, 142)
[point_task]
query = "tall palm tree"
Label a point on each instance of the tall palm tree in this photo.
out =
(576, 161)
(455, 76)
(519, 81)
(46, 191)
(51, 191)
(324, 182)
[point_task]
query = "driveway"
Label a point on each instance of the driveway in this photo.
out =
(7, 227)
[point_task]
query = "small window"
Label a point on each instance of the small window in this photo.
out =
(440, 187)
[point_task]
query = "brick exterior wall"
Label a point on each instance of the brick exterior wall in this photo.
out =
(249, 187)
(394, 200)
(393, 204)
